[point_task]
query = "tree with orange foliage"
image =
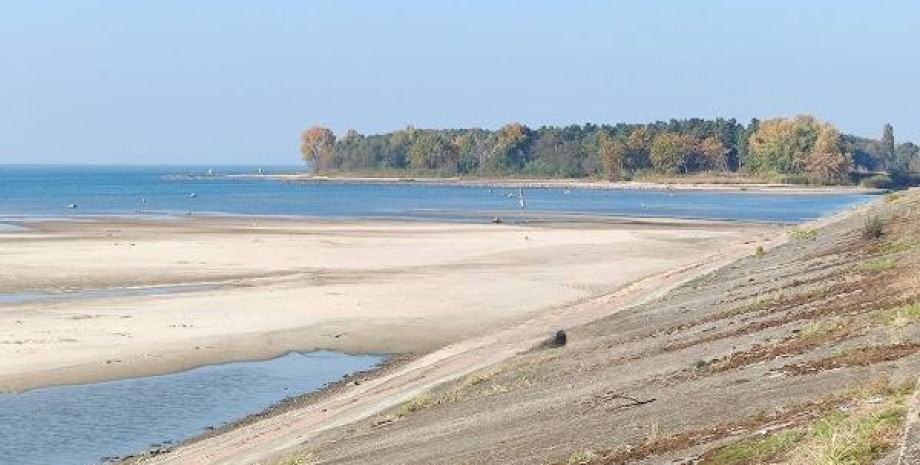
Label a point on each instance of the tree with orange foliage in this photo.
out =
(827, 162)
(317, 146)
(711, 155)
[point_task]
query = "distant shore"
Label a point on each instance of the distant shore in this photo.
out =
(537, 183)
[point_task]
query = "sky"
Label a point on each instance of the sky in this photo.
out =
(235, 82)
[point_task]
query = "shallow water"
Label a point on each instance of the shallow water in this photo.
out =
(16, 298)
(82, 424)
(48, 191)
(9, 228)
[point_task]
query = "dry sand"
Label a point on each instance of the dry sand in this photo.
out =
(284, 285)
(685, 183)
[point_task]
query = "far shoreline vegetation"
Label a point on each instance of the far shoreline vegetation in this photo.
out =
(800, 150)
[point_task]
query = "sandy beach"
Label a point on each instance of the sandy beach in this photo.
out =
(686, 183)
(269, 286)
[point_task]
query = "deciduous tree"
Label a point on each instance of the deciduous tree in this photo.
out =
(611, 154)
(317, 146)
(671, 153)
(827, 162)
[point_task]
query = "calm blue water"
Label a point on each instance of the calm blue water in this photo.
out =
(79, 425)
(47, 191)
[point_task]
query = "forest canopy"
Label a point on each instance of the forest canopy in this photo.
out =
(800, 148)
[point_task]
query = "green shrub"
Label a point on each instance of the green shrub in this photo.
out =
(873, 228)
(877, 181)
(792, 178)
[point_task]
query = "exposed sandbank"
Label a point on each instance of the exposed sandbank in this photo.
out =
(304, 284)
(536, 183)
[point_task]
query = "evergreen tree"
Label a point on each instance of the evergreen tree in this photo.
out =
(888, 146)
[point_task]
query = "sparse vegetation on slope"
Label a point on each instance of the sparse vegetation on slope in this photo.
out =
(755, 362)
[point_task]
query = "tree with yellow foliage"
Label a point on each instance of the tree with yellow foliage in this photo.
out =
(800, 145)
(611, 153)
(672, 153)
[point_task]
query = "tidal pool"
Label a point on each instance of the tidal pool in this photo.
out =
(84, 424)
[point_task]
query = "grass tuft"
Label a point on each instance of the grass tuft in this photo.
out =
(304, 458)
(892, 197)
(582, 458)
(905, 315)
(803, 234)
(420, 402)
(753, 451)
(820, 327)
(894, 247)
(878, 264)
(841, 439)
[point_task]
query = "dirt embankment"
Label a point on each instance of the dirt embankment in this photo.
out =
(761, 360)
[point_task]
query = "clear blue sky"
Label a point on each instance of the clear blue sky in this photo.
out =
(183, 81)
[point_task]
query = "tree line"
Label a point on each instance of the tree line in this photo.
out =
(801, 149)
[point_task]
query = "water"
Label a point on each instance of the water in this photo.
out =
(81, 424)
(47, 191)
(18, 298)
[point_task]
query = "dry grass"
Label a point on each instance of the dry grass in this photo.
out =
(863, 427)
(420, 402)
(582, 458)
(859, 434)
(798, 344)
(878, 264)
(308, 457)
(800, 414)
(756, 450)
(482, 383)
(860, 357)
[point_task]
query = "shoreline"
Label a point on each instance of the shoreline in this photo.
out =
(390, 364)
(536, 183)
(322, 410)
(317, 404)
